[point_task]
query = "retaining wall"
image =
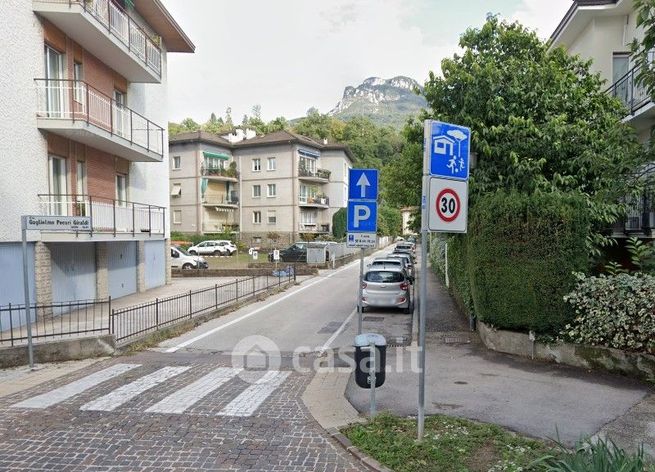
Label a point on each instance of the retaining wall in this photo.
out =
(59, 351)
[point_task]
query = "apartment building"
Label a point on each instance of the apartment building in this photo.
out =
(204, 184)
(603, 30)
(286, 185)
(83, 133)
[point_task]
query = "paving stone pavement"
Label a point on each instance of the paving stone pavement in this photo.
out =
(268, 428)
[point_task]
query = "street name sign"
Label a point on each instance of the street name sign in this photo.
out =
(449, 150)
(447, 206)
(363, 184)
(58, 223)
(363, 240)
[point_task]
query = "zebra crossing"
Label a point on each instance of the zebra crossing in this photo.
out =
(245, 404)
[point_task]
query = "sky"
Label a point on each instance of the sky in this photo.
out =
(290, 55)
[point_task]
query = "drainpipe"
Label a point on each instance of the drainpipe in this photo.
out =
(294, 196)
(199, 208)
(532, 338)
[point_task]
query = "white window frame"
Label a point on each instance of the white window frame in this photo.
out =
(177, 217)
(176, 191)
(121, 200)
(258, 193)
(270, 187)
(271, 164)
(256, 164)
(177, 162)
(256, 217)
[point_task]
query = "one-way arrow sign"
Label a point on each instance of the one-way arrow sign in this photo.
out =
(363, 184)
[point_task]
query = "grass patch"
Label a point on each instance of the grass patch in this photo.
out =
(156, 337)
(450, 444)
(237, 261)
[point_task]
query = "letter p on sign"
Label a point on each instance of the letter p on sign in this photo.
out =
(362, 213)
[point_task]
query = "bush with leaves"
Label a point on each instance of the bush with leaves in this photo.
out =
(613, 311)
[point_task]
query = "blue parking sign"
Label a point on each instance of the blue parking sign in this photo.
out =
(450, 147)
(362, 217)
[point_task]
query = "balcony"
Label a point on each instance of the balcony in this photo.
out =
(318, 175)
(317, 201)
(77, 111)
(217, 173)
(108, 32)
(633, 95)
(114, 218)
(230, 201)
(639, 219)
(317, 228)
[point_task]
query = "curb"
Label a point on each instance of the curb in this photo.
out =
(363, 458)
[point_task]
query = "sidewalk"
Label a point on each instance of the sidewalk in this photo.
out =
(541, 400)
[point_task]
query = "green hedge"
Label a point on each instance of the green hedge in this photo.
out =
(521, 253)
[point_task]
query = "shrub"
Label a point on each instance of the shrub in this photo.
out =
(339, 223)
(614, 311)
(518, 260)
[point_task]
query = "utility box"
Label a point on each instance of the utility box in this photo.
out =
(363, 359)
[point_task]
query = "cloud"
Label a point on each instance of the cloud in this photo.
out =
(542, 16)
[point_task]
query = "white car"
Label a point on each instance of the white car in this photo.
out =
(213, 248)
(182, 260)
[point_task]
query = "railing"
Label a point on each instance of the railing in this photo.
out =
(639, 217)
(135, 321)
(318, 174)
(633, 95)
(219, 172)
(77, 100)
(107, 215)
(313, 228)
(55, 320)
(313, 200)
(123, 27)
(220, 200)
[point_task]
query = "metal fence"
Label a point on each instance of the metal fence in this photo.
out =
(55, 320)
(132, 322)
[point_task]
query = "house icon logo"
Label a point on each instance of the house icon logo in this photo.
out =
(444, 145)
(256, 352)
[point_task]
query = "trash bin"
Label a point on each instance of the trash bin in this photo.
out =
(363, 359)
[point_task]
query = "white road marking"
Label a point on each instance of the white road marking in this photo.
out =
(122, 395)
(74, 388)
(258, 310)
(329, 342)
(251, 398)
(188, 396)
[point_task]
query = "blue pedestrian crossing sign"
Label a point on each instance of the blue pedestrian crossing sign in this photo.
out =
(362, 217)
(450, 147)
(363, 184)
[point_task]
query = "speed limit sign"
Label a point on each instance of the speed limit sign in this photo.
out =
(448, 205)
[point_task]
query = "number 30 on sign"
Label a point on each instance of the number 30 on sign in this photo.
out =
(448, 205)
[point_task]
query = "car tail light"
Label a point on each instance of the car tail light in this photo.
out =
(404, 286)
(363, 284)
(401, 300)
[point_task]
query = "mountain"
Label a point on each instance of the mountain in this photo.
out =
(384, 101)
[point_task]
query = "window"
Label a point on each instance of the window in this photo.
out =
(620, 68)
(121, 115)
(176, 190)
(272, 190)
(54, 73)
(81, 178)
(308, 217)
(79, 85)
(271, 217)
(256, 165)
(271, 163)
(121, 188)
(257, 217)
(177, 162)
(177, 217)
(256, 191)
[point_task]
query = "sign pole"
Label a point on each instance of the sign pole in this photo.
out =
(372, 377)
(26, 285)
(423, 290)
(360, 291)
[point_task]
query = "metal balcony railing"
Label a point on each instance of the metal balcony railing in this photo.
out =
(221, 200)
(219, 172)
(77, 100)
(107, 215)
(310, 227)
(633, 95)
(640, 215)
(317, 174)
(314, 200)
(123, 27)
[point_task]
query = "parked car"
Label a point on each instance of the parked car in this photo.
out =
(405, 250)
(213, 248)
(390, 263)
(297, 252)
(182, 260)
(386, 288)
(409, 264)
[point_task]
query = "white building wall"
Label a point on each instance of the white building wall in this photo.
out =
(23, 149)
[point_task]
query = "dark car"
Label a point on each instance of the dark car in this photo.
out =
(297, 252)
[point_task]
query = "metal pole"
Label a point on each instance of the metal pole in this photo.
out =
(423, 290)
(372, 376)
(30, 347)
(360, 291)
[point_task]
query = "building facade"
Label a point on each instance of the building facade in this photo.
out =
(82, 133)
(603, 31)
(272, 189)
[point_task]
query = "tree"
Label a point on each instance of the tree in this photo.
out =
(339, 223)
(390, 221)
(642, 55)
(540, 121)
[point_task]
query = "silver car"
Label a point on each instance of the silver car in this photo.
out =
(386, 287)
(409, 265)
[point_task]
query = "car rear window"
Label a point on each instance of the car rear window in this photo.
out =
(391, 263)
(384, 276)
